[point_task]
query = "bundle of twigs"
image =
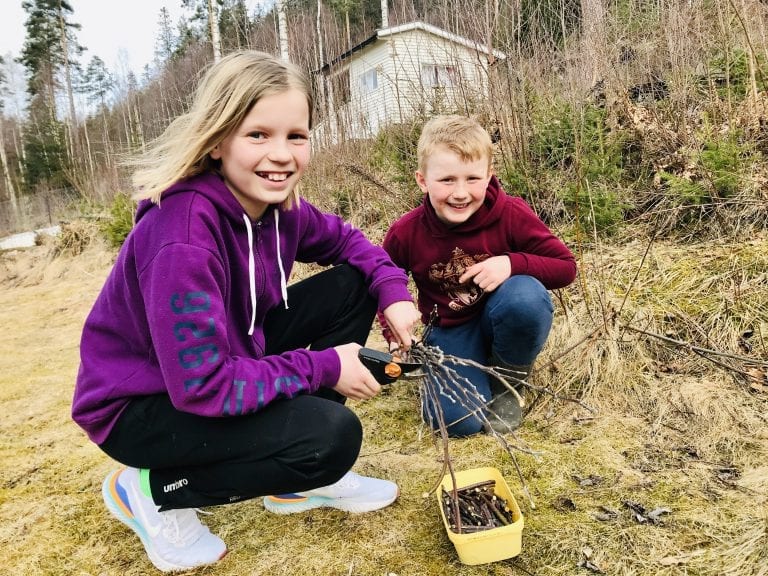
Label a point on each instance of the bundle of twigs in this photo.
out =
(475, 508)
(441, 380)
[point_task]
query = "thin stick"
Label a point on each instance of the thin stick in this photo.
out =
(697, 349)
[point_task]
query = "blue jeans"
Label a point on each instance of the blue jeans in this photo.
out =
(512, 328)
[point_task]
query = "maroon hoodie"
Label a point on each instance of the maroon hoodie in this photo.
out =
(436, 255)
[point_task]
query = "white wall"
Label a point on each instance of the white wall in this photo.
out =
(400, 92)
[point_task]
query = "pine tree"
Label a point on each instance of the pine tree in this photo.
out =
(43, 51)
(166, 41)
(97, 82)
(235, 25)
(46, 52)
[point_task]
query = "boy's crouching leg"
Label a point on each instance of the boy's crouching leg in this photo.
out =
(504, 410)
(460, 421)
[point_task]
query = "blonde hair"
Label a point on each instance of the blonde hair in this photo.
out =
(225, 95)
(461, 135)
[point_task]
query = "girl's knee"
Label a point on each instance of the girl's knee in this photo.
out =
(336, 439)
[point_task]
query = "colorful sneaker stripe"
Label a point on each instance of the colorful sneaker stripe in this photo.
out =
(119, 496)
(287, 498)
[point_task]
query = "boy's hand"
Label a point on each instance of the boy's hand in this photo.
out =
(355, 381)
(488, 274)
(401, 318)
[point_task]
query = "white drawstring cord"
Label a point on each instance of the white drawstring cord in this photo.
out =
(251, 273)
(283, 283)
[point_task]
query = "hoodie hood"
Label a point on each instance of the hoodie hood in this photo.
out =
(490, 212)
(209, 185)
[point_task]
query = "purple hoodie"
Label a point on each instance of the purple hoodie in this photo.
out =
(182, 311)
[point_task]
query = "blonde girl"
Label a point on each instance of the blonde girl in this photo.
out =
(203, 373)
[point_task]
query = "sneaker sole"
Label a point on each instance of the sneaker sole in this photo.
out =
(292, 504)
(119, 510)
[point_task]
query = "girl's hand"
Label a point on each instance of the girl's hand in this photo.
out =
(488, 274)
(401, 318)
(355, 381)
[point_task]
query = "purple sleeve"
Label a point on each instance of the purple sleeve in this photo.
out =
(327, 239)
(187, 316)
(390, 246)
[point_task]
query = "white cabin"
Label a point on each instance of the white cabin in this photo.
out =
(398, 73)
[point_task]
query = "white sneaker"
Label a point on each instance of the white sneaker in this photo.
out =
(174, 539)
(353, 493)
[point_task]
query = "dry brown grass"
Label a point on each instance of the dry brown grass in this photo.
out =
(672, 431)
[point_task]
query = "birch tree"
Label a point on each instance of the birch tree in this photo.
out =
(593, 35)
(213, 27)
(3, 156)
(282, 30)
(206, 14)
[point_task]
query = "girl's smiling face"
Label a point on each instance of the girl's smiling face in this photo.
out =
(456, 188)
(264, 157)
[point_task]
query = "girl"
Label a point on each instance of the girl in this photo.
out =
(201, 371)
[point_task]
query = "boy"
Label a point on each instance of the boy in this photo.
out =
(484, 260)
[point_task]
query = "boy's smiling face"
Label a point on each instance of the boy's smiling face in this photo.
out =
(456, 187)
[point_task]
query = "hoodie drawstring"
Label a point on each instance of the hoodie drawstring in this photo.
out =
(283, 283)
(252, 265)
(251, 273)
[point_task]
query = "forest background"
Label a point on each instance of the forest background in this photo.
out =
(636, 129)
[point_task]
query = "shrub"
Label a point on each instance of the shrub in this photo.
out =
(682, 190)
(120, 221)
(596, 207)
(723, 162)
(729, 74)
(553, 143)
(586, 156)
(709, 175)
(394, 151)
(516, 182)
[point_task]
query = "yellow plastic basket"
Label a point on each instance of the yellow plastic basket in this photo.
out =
(489, 545)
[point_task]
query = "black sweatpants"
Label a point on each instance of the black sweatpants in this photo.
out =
(288, 446)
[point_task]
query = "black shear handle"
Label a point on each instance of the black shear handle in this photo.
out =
(380, 364)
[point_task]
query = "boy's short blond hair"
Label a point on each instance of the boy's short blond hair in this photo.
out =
(461, 135)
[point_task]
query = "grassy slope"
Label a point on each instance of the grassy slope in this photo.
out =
(672, 431)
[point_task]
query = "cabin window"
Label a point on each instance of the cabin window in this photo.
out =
(439, 76)
(369, 81)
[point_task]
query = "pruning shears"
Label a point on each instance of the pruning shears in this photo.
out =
(385, 367)
(388, 368)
